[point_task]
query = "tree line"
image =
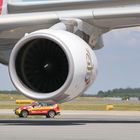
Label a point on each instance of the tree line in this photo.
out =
(120, 92)
(9, 92)
(129, 92)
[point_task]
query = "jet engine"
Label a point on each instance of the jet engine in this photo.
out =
(52, 65)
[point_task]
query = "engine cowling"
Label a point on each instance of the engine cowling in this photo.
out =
(52, 65)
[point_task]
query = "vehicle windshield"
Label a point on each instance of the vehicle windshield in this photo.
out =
(42, 104)
(34, 104)
(45, 103)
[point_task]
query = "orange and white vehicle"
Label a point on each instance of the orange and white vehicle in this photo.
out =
(38, 108)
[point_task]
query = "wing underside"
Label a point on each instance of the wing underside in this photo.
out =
(102, 14)
(108, 14)
(58, 5)
(117, 17)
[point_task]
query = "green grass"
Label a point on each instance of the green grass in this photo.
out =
(11, 97)
(78, 106)
(7, 101)
(8, 116)
(8, 106)
(121, 106)
(127, 107)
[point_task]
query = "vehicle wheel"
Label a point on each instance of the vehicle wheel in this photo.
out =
(24, 114)
(51, 114)
(20, 115)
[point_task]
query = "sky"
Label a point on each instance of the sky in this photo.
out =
(119, 62)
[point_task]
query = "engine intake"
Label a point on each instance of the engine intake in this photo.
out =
(52, 65)
(42, 65)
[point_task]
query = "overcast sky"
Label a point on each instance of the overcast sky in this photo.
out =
(119, 62)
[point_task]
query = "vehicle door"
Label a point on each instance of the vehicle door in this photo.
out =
(36, 109)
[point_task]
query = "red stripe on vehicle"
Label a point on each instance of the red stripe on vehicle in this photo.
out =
(1, 3)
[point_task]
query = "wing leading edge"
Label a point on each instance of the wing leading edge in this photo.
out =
(117, 17)
(109, 18)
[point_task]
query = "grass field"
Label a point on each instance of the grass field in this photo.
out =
(101, 106)
(7, 101)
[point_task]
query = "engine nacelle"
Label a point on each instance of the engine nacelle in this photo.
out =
(52, 65)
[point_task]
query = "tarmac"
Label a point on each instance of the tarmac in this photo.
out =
(74, 125)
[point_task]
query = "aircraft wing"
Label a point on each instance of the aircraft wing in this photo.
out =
(117, 17)
(110, 18)
(12, 21)
(108, 14)
(102, 14)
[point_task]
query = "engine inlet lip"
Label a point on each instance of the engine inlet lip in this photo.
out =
(21, 86)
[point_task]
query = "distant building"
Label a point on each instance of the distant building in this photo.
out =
(113, 98)
(134, 98)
